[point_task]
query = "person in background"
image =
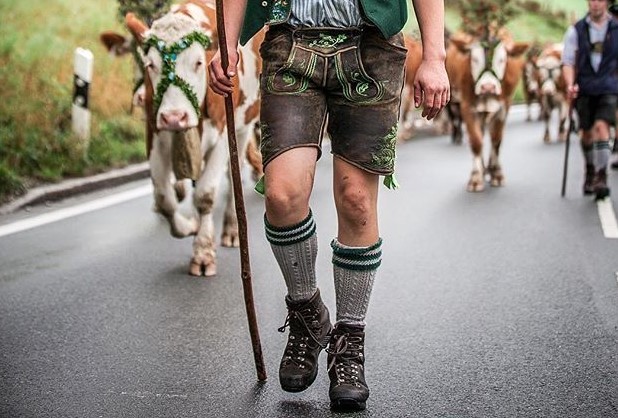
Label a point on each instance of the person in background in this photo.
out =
(590, 66)
(343, 59)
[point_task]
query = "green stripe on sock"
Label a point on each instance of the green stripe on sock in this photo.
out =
(358, 258)
(292, 234)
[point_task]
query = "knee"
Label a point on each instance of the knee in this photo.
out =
(354, 204)
(284, 203)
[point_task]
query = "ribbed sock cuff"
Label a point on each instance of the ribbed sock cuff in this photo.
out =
(357, 258)
(290, 234)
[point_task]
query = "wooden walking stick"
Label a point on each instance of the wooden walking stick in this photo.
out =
(240, 206)
(566, 150)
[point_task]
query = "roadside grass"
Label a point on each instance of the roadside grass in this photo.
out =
(37, 44)
(36, 75)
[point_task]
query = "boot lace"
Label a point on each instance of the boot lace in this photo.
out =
(302, 335)
(346, 357)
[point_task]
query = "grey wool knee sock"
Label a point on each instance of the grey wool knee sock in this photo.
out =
(601, 155)
(295, 249)
(354, 271)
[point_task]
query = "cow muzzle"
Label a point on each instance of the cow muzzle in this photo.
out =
(549, 87)
(488, 85)
(173, 120)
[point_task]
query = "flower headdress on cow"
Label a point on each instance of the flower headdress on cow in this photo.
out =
(169, 53)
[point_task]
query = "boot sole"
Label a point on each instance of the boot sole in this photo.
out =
(296, 389)
(347, 405)
(602, 193)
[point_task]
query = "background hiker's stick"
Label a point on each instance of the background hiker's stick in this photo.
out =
(240, 206)
(566, 150)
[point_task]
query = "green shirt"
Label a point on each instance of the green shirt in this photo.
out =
(388, 15)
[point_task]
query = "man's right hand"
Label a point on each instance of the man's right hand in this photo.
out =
(219, 81)
(572, 92)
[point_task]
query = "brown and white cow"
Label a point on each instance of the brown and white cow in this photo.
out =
(552, 89)
(409, 117)
(485, 72)
(413, 61)
(179, 106)
(119, 45)
(530, 82)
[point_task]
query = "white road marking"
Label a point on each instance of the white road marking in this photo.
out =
(608, 218)
(61, 214)
(146, 394)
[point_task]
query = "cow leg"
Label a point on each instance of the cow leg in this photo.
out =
(166, 201)
(229, 234)
(203, 261)
(493, 166)
(546, 111)
(475, 137)
(454, 113)
(546, 118)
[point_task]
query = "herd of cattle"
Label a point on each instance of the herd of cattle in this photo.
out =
(172, 56)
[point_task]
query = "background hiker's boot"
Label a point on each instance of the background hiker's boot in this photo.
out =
(310, 327)
(346, 368)
(599, 184)
(588, 180)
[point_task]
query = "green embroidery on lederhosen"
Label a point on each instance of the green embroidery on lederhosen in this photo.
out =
(265, 136)
(328, 41)
(357, 86)
(294, 74)
(384, 157)
(280, 11)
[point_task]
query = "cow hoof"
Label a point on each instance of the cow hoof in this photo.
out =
(496, 182)
(474, 187)
(546, 139)
(200, 269)
(230, 240)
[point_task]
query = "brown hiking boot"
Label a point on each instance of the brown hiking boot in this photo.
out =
(346, 369)
(588, 179)
(599, 184)
(310, 328)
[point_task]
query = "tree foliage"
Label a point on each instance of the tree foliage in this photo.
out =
(485, 17)
(147, 10)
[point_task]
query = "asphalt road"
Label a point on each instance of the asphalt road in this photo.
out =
(497, 304)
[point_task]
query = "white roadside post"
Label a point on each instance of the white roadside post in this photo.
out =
(83, 60)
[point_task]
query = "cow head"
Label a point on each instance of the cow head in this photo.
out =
(488, 61)
(548, 73)
(549, 69)
(175, 63)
